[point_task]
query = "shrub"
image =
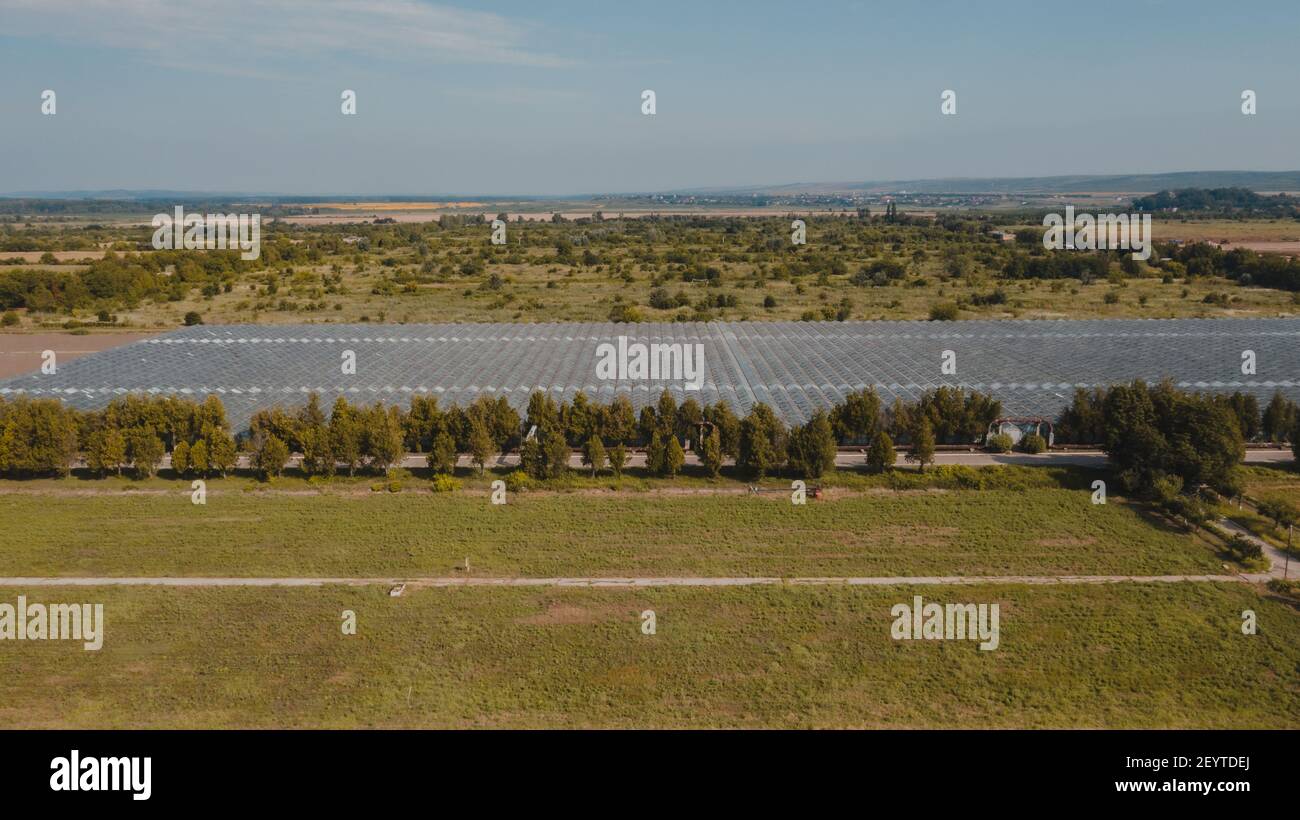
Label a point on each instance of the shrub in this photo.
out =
(944, 312)
(444, 483)
(1285, 587)
(1282, 512)
(1033, 444)
(1244, 549)
(518, 481)
(999, 443)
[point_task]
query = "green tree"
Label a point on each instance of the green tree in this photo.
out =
(689, 418)
(270, 456)
(727, 425)
(317, 452)
(181, 458)
(383, 437)
(146, 451)
(710, 452)
(199, 458)
(618, 459)
(619, 421)
(106, 450)
(221, 451)
(481, 446)
(881, 455)
(655, 452)
(1295, 440)
(674, 457)
(922, 447)
(579, 419)
(858, 417)
(762, 442)
(812, 447)
(593, 455)
(345, 435)
(556, 451)
(442, 455)
(666, 413)
(542, 413)
(1283, 512)
(1279, 417)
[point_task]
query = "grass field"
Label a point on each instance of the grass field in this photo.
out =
(535, 294)
(530, 283)
(1038, 530)
(1129, 656)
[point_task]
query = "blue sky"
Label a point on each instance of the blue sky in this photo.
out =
(544, 98)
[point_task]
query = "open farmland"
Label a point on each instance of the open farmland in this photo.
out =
(1131, 656)
(1037, 531)
(702, 267)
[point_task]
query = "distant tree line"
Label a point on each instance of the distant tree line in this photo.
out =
(1228, 201)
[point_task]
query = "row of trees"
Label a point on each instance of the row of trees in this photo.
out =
(1165, 442)
(43, 436)
(1084, 421)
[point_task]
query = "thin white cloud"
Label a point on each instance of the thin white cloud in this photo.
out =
(246, 36)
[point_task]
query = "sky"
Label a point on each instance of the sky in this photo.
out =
(545, 98)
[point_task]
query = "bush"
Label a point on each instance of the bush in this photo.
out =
(1033, 444)
(999, 443)
(443, 483)
(944, 312)
(1244, 549)
(1285, 587)
(519, 482)
(9, 319)
(193, 318)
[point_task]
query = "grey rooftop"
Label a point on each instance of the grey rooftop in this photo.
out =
(1032, 366)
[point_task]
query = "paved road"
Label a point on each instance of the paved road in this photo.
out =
(624, 583)
(1277, 559)
(1075, 458)
(976, 458)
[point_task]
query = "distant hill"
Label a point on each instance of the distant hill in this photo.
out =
(1076, 183)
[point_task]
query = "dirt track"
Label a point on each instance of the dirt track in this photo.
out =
(21, 352)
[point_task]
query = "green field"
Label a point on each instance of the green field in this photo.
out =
(710, 268)
(1167, 655)
(1035, 531)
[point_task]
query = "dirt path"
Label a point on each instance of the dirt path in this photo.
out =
(625, 583)
(1277, 559)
